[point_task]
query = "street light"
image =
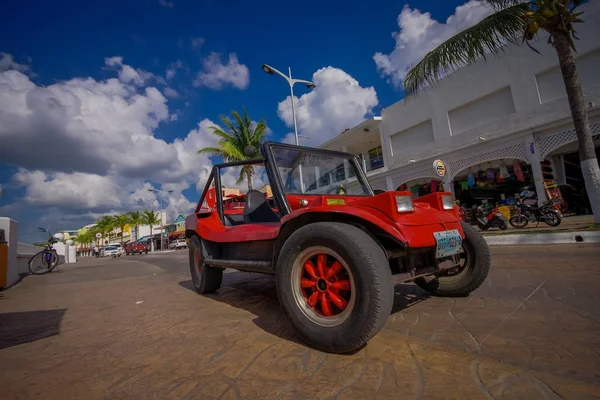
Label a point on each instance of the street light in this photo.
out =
(161, 211)
(291, 81)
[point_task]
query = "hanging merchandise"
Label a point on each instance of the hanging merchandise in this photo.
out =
(433, 186)
(415, 191)
(490, 174)
(464, 185)
(503, 172)
(470, 179)
(518, 172)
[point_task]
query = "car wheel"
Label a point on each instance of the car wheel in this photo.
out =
(204, 278)
(335, 286)
(475, 266)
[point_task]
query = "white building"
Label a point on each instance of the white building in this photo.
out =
(485, 117)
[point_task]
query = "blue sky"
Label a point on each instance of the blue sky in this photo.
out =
(69, 67)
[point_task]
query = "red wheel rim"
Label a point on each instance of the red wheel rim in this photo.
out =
(325, 285)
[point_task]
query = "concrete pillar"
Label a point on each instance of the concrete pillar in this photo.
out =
(533, 154)
(449, 186)
(346, 167)
(389, 183)
(364, 161)
(558, 167)
(10, 228)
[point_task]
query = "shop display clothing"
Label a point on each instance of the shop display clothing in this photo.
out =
(518, 172)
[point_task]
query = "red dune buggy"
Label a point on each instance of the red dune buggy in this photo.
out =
(335, 247)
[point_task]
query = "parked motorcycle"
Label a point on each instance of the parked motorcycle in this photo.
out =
(530, 213)
(493, 218)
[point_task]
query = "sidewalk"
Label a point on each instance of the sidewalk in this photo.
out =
(567, 224)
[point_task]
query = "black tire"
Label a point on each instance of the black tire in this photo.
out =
(38, 266)
(204, 278)
(552, 218)
(482, 226)
(504, 225)
(518, 221)
(372, 288)
(476, 269)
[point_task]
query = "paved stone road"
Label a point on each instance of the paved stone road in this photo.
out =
(132, 328)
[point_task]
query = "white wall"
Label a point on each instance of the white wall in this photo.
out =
(476, 100)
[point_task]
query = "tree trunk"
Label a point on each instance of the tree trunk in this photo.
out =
(151, 239)
(587, 151)
(249, 175)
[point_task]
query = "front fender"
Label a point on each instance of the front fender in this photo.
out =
(370, 215)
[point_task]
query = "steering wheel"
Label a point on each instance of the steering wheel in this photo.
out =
(339, 189)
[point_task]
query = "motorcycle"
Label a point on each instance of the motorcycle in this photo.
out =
(493, 218)
(529, 213)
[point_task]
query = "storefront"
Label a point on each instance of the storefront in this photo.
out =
(422, 187)
(498, 182)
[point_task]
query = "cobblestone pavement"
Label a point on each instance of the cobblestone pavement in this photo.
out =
(132, 328)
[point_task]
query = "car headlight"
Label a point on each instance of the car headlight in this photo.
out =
(447, 202)
(404, 204)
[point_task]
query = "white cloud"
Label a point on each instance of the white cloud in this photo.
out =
(338, 102)
(85, 146)
(127, 74)
(419, 33)
(8, 62)
(172, 69)
(170, 92)
(166, 3)
(197, 42)
(215, 75)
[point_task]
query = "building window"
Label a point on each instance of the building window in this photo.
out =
(375, 159)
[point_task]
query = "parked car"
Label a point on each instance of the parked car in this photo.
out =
(137, 247)
(178, 244)
(111, 251)
(336, 248)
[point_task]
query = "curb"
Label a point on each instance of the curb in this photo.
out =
(544, 238)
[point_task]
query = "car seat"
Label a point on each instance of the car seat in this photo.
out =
(257, 209)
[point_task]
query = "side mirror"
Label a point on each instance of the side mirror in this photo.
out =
(250, 151)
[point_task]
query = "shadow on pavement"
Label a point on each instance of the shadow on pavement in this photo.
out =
(24, 327)
(257, 294)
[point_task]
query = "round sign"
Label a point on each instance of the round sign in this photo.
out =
(98, 235)
(439, 167)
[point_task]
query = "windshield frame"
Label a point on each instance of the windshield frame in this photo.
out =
(276, 181)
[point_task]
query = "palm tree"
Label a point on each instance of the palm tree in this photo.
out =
(151, 218)
(84, 239)
(517, 21)
(232, 144)
(134, 218)
(104, 226)
(120, 221)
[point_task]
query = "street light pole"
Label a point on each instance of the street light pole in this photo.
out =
(291, 81)
(161, 212)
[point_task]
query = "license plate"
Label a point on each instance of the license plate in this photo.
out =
(448, 243)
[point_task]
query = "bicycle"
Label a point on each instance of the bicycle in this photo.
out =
(46, 260)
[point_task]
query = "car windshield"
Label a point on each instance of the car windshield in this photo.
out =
(314, 172)
(110, 248)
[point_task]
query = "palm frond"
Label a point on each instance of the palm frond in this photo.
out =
(502, 4)
(215, 151)
(488, 36)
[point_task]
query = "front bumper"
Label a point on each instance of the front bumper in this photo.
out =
(418, 236)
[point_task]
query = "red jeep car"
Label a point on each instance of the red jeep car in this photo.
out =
(335, 247)
(137, 247)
